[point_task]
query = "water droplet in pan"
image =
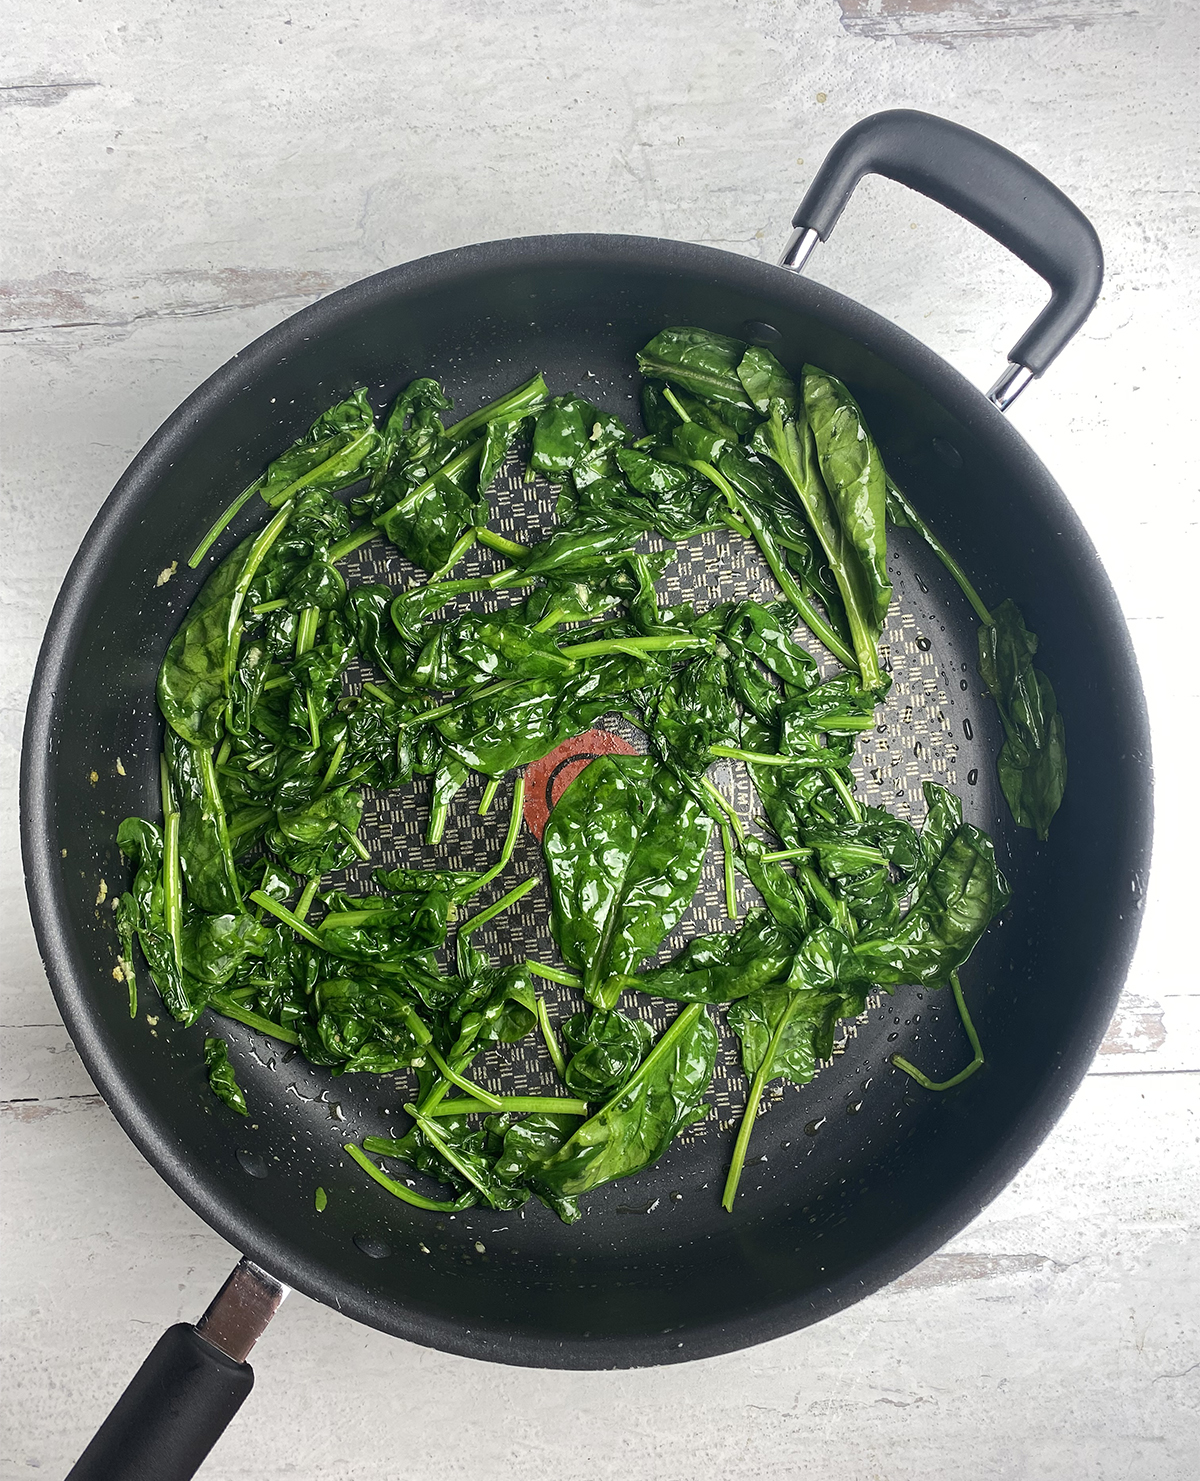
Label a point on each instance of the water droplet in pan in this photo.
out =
(761, 334)
(812, 1127)
(376, 1249)
(948, 453)
(252, 1163)
(968, 730)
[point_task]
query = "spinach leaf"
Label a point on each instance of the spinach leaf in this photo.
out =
(221, 1077)
(331, 454)
(725, 966)
(194, 680)
(853, 473)
(606, 1047)
(390, 932)
(1033, 759)
(782, 894)
(522, 720)
(527, 1144)
(205, 854)
(562, 435)
(693, 711)
(426, 521)
(142, 843)
(313, 838)
(624, 847)
(706, 365)
(784, 1029)
(634, 1129)
(214, 946)
(471, 649)
(955, 897)
(840, 487)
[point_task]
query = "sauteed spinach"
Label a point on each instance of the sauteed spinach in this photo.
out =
(269, 747)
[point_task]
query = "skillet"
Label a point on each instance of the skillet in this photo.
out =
(657, 1272)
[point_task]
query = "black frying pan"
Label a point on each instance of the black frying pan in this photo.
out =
(647, 1277)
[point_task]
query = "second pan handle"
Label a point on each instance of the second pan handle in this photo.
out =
(179, 1402)
(986, 185)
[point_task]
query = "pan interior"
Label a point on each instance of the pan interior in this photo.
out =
(851, 1178)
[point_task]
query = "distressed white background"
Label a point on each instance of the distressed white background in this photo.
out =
(181, 176)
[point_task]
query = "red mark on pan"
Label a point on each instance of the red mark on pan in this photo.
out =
(546, 780)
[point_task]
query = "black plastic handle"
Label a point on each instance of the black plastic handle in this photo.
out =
(172, 1414)
(988, 186)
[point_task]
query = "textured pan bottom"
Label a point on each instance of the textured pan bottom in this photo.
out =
(918, 737)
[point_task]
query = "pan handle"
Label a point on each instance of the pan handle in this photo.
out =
(180, 1400)
(986, 185)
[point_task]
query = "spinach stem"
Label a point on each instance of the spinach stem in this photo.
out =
(551, 619)
(841, 787)
(445, 1151)
(263, 608)
(678, 1026)
(517, 893)
(307, 896)
(553, 1047)
(438, 815)
(255, 556)
(341, 461)
(164, 785)
(517, 1104)
(670, 396)
(763, 758)
(489, 796)
(355, 843)
(844, 722)
(731, 905)
(172, 886)
(306, 629)
(380, 694)
(331, 770)
(220, 522)
(229, 1007)
(457, 551)
(780, 855)
(448, 1072)
(398, 1190)
(348, 544)
(947, 560)
(750, 1114)
(819, 626)
(499, 544)
(214, 806)
(457, 704)
(510, 840)
(239, 829)
(281, 912)
(513, 406)
(662, 643)
(455, 464)
(726, 807)
(554, 974)
(314, 725)
(972, 1037)
(835, 910)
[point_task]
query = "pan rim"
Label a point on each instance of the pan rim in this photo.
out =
(71, 987)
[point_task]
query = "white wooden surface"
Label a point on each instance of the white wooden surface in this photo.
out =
(179, 177)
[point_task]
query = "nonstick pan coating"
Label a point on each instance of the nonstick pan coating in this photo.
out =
(656, 1271)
